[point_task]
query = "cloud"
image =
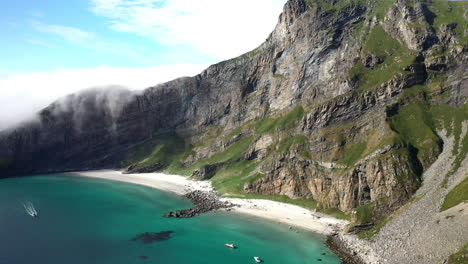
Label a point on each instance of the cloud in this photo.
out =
(69, 33)
(23, 94)
(89, 40)
(39, 42)
(12, 24)
(37, 14)
(222, 29)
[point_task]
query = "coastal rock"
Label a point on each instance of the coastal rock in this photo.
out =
(338, 247)
(208, 171)
(134, 168)
(203, 202)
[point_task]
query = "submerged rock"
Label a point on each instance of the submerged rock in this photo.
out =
(150, 237)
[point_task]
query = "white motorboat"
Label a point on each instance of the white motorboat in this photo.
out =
(230, 245)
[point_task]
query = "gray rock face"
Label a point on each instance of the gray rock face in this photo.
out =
(409, 21)
(340, 151)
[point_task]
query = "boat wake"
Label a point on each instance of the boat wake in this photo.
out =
(29, 207)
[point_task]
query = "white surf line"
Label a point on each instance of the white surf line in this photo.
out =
(31, 212)
(29, 207)
(33, 209)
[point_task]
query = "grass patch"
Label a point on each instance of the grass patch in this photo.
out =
(451, 12)
(460, 257)
(337, 6)
(415, 127)
(353, 153)
(382, 8)
(458, 195)
(395, 57)
(336, 213)
(250, 54)
(231, 179)
(233, 152)
(370, 233)
(305, 155)
(285, 144)
(211, 133)
(364, 214)
(416, 91)
(236, 131)
(164, 149)
(268, 124)
(381, 44)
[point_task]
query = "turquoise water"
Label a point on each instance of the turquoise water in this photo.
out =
(84, 220)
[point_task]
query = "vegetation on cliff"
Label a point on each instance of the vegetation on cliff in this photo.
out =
(460, 257)
(457, 195)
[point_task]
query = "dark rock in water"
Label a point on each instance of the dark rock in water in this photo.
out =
(143, 257)
(150, 237)
(319, 259)
(203, 202)
(323, 254)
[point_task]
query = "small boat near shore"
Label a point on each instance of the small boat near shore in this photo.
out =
(230, 245)
(258, 260)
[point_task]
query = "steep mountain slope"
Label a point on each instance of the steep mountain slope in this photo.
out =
(339, 108)
(430, 227)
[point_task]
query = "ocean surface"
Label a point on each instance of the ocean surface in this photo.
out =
(83, 220)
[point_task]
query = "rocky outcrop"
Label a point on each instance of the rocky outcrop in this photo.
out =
(151, 168)
(409, 21)
(294, 110)
(203, 202)
(339, 248)
(208, 171)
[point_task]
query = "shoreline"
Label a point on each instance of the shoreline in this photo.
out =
(282, 213)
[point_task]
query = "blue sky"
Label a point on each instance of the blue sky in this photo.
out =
(51, 34)
(51, 48)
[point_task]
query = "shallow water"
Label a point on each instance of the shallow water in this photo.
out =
(83, 220)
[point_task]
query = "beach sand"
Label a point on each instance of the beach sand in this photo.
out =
(274, 211)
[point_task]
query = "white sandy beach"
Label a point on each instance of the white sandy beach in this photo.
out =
(274, 211)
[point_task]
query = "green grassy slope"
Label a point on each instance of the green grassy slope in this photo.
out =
(460, 257)
(458, 195)
(394, 58)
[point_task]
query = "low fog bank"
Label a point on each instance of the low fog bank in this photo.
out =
(22, 96)
(106, 101)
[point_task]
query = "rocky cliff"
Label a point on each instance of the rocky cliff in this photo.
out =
(339, 106)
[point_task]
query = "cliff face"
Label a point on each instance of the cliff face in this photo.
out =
(340, 104)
